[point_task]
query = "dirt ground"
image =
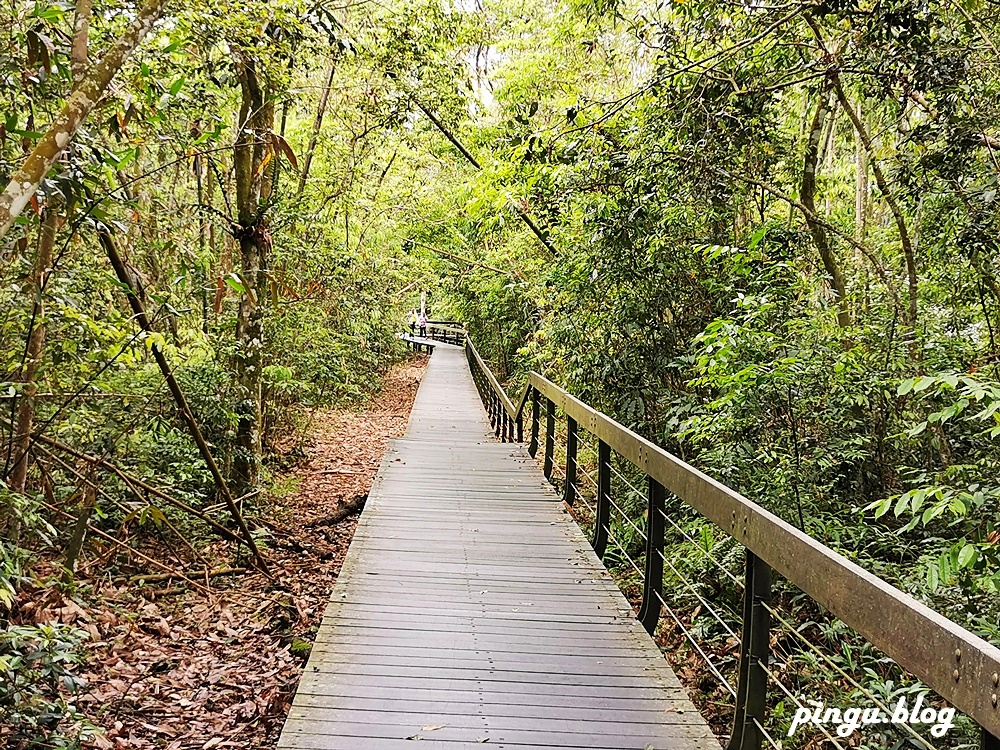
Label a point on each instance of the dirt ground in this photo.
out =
(177, 667)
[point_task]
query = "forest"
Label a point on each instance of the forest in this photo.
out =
(763, 235)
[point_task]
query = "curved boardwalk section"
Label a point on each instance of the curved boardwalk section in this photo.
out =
(471, 610)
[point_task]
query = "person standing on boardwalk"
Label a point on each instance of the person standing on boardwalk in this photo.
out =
(412, 317)
(422, 322)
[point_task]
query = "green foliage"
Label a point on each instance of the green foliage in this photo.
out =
(37, 668)
(662, 149)
(13, 557)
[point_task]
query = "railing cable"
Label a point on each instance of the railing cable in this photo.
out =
(704, 603)
(711, 667)
(705, 552)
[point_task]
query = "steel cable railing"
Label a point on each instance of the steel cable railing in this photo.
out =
(624, 516)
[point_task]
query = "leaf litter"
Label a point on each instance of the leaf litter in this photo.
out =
(174, 669)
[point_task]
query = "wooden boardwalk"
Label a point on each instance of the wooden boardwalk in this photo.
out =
(471, 610)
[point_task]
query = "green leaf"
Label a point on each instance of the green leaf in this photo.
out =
(967, 556)
(957, 506)
(923, 383)
(933, 577)
(233, 281)
(905, 387)
(944, 567)
(757, 237)
(881, 507)
(176, 86)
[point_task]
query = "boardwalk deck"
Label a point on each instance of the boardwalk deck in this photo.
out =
(471, 609)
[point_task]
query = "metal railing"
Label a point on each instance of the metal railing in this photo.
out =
(450, 333)
(959, 666)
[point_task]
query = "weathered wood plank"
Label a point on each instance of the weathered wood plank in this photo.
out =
(471, 601)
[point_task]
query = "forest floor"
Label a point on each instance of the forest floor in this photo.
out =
(177, 668)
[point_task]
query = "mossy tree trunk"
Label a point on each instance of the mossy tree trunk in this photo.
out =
(252, 155)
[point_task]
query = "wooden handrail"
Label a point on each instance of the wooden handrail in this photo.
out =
(961, 667)
(498, 390)
(445, 327)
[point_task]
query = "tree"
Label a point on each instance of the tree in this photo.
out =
(86, 94)
(252, 154)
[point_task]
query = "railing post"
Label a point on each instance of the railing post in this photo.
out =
(989, 741)
(652, 586)
(751, 690)
(498, 415)
(603, 511)
(519, 426)
(533, 443)
(572, 443)
(550, 437)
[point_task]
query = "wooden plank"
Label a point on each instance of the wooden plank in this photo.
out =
(635, 679)
(500, 704)
(478, 691)
(656, 737)
(455, 711)
(471, 601)
(358, 636)
(493, 663)
(549, 723)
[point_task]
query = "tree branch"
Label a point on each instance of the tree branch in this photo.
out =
(78, 106)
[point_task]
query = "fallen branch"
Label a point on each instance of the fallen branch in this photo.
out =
(187, 416)
(522, 214)
(156, 577)
(127, 511)
(463, 259)
(156, 593)
(136, 482)
(345, 510)
(107, 537)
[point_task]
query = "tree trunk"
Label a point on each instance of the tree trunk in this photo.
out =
(84, 513)
(74, 113)
(317, 125)
(861, 192)
(897, 213)
(79, 56)
(253, 191)
(200, 173)
(807, 195)
(34, 350)
(829, 157)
